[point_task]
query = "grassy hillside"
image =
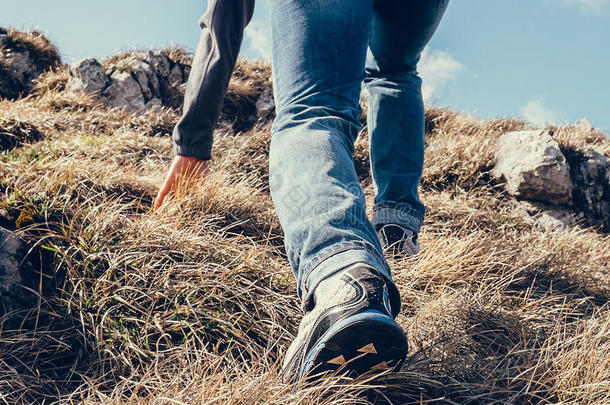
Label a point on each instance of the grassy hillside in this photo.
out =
(195, 303)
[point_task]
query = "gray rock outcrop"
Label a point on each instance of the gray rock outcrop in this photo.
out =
(590, 174)
(533, 167)
(135, 82)
(557, 188)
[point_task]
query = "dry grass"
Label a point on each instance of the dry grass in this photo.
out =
(195, 303)
(43, 54)
(248, 81)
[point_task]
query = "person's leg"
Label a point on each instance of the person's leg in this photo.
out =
(219, 43)
(319, 51)
(400, 31)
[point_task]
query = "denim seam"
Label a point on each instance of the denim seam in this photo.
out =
(319, 260)
(401, 207)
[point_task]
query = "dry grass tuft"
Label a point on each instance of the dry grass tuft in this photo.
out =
(250, 78)
(52, 81)
(14, 133)
(41, 52)
(44, 54)
(195, 303)
(459, 148)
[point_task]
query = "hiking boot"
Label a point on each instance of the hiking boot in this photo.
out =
(348, 326)
(398, 241)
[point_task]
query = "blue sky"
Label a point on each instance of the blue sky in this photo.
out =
(546, 61)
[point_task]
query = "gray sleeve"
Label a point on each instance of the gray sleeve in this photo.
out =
(222, 33)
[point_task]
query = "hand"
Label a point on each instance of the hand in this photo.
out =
(185, 169)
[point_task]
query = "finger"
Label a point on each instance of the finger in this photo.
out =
(162, 194)
(158, 201)
(167, 198)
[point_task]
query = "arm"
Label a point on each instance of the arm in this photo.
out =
(222, 33)
(221, 37)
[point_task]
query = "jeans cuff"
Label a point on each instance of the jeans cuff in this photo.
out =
(336, 260)
(399, 214)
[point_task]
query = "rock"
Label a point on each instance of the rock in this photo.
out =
(154, 85)
(154, 104)
(265, 105)
(23, 61)
(159, 62)
(548, 217)
(533, 167)
(14, 269)
(555, 220)
(21, 66)
(590, 174)
(175, 77)
(124, 92)
(142, 80)
(145, 76)
(17, 70)
(87, 75)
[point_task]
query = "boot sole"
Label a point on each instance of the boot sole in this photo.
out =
(369, 341)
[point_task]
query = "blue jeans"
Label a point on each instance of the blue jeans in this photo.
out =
(323, 50)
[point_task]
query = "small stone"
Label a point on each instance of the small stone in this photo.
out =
(87, 75)
(548, 217)
(555, 220)
(533, 167)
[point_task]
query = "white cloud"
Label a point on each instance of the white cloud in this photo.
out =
(436, 69)
(536, 113)
(589, 6)
(259, 38)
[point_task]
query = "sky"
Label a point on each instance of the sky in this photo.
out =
(545, 61)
